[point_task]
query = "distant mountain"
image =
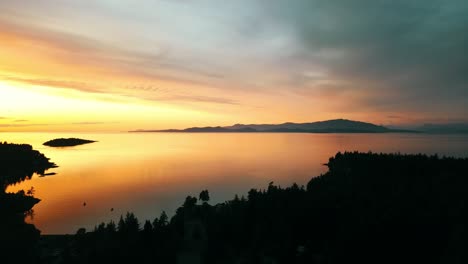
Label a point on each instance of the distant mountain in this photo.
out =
(329, 126)
(454, 128)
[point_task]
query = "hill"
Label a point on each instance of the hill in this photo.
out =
(328, 126)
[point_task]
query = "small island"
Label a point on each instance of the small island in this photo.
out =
(67, 142)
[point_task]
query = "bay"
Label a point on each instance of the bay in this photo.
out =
(146, 173)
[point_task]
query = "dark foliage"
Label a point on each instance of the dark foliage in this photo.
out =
(18, 240)
(18, 162)
(204, 196)
(368, 208)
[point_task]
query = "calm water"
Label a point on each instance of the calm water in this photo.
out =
(149, 172)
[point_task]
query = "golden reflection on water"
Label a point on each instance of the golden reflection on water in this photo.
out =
(149, 172)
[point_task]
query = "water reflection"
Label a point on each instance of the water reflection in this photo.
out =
(147, 173)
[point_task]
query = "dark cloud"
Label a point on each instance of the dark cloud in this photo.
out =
(404, 50)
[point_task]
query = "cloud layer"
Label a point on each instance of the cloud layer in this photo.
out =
(393, 59)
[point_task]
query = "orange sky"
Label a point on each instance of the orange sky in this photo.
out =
(101, 66)
(55, 86)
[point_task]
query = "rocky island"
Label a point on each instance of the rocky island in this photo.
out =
(67, 142)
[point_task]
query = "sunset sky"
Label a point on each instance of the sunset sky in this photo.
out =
(114, 65)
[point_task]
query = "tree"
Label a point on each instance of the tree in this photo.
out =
(204, 196)
(147, 227)
(100, 228)
(190, 202)
(131, 223)
(81, 231)
(160, 222)
(111, 227)
(163, 219)
(31, 191)
(121, 226)
(156, 224)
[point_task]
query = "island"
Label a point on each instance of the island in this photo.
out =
(328, 126)
(67, 142)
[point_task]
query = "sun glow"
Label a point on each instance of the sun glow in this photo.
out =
(37, 108)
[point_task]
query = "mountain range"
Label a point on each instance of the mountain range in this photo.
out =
(328, 126)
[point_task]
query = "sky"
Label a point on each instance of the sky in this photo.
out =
(115, 65)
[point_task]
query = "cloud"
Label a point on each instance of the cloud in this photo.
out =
(364, 55)
(164, 96)
(73, 49)
(16, 125)
(203, 99)
(394, 117)
(147, 92)
(81, 86)
(25, 125)
(408, 53)
(120, 64)
(93, 123)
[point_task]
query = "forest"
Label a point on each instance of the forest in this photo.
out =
(367, 208)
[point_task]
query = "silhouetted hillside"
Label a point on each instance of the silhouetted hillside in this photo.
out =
(19, 162)
(368, 208)
(337, 124)
(67, 142)
(18, 240)
(329, 126)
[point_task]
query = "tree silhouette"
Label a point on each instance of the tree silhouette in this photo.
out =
(204, 196)
(121, 226)
(190, 202)
(163, 219)
(147, 227)
(132, 223)
(18, 162)
(367, 208)
(110, 227)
